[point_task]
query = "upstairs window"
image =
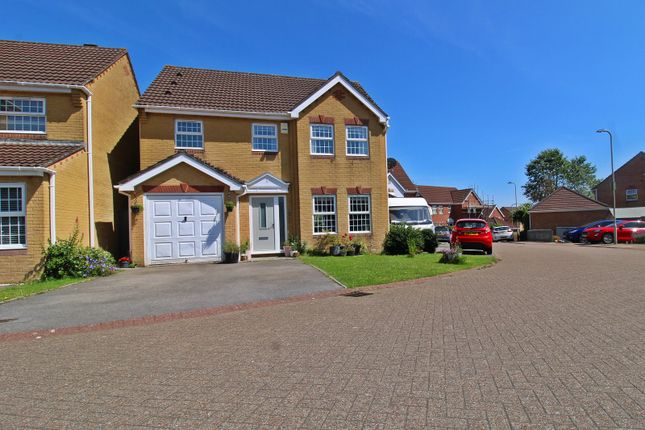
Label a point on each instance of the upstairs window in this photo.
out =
(22, 115)
(324, 214)
(631, 194)
(12, 216)
(322, 139)
(357, 143)
(189, 134)
(265, 137)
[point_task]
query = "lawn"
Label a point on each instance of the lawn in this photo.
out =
(374, 269)
(35, 287)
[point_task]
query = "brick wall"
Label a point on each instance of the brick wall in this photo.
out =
(24, 264)
(72, 201)
(551, 220)
(632, 175)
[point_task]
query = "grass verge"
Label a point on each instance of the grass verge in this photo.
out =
(375, 269)
(35, 287)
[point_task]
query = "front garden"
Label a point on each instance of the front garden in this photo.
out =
(407, 254)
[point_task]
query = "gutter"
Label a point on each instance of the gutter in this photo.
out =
(38, 171)
(58, 88)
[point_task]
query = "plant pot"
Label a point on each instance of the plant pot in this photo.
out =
(350, 251)
(135, 209)
(231, 257)
(334, 250)
(357, 249)
(287, 251)
(124, 264)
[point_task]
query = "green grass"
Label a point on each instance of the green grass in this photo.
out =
(36, 287)
(363, 270)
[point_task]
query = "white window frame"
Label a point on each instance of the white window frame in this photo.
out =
(311, 139)
(368, 212)
(253, 136)
(348, 139)
(22, 213)
(44, 115)
(314, 213)
(634, 195)
(192, 133)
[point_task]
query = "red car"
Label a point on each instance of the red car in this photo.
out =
(627, 230)
(473, 233)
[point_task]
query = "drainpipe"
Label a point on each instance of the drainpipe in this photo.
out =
(90, 168)
(52, 206)
(237, 214)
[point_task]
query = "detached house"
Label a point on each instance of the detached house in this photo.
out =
(67, 133)
(450, 204)
(630, 188)
(229, 156)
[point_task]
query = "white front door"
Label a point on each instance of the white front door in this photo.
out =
(268, 224)
(183, 227)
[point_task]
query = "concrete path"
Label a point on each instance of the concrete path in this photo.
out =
(549, 338)
(163, 289)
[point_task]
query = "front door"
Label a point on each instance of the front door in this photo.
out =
(264, 225)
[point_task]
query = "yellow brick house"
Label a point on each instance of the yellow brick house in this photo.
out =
(68, 132)
(231, 156)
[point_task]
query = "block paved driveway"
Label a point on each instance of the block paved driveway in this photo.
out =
(163, 289)
(550, 337)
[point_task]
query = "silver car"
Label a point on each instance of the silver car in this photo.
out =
(502, 232)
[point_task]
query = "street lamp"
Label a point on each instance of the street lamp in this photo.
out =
(613, 179)
(515, 185)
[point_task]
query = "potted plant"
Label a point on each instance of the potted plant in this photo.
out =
(231, 252)
(358, 245)
(287, 249)
(335, 247)
(136, 208)
(229, 205)
(244, 251)
(125, 262)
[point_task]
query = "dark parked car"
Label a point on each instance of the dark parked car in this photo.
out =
(575, 234)
(443, 233)
(627, 232)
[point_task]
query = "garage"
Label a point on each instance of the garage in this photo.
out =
(183, 227)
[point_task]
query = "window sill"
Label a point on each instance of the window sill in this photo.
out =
(22, 132)
(322, 234)
(360, 233)
(189, 149)
(358, 157)
(13, 250)
(322, 156)
(263, 151)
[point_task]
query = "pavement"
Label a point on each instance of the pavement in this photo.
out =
(550, 337)
(146, 291)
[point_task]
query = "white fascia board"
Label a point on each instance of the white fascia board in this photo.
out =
(383, 118)
(397, 183)
(276, 116)
(42, 87)
(23, 171)
(129, 186)
(277, 185)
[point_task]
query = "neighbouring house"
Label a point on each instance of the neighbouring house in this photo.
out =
(494, 215)
(399, 183)
(236, 157)
(630, 188)
(67, 132)
(564, 209)
(450, 204)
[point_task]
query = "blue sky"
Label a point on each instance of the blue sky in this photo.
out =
(474, 88)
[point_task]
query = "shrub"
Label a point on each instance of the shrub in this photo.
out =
(298, 245)
(68, 258)
(401, 239)
(323, 243)
(453, 255)
(97, 262)
(231, 247)
(430, 242)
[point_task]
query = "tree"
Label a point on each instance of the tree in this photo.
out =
(551, 170)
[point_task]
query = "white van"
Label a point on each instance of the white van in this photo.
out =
(412, 211)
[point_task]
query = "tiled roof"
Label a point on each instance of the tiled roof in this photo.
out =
(564, 199)
(507, 210)
(192, 88)
(397, 170)
(458, 196)
(436, 195)
(177, 154)
(54, 63)
(488, 211)
(35, 153)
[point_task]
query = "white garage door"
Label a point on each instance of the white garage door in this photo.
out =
(183, 227)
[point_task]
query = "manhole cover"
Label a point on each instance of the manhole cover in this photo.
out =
(358, 294)
(6, 320)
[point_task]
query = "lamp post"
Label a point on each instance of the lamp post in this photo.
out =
(613, 179)
(515, 186)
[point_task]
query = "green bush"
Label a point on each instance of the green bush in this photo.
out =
(452, 257)
(68, 258)
(430, 242)
(401, 239)
(298, 245)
